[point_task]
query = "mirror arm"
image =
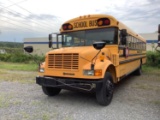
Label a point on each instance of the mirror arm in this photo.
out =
(96, 55)
(92, 64)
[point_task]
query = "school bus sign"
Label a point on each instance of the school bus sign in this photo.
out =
(88, 23)
(85, 24)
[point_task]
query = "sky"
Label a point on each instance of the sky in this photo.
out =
(21, 19)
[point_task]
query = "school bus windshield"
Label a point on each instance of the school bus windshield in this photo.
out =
(88, 37)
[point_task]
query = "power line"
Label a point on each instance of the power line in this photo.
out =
(25, 10)
(20, 22)
(12, 4)
(17, 14)
(23, 17)
(15, 24)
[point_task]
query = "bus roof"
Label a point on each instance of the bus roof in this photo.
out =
(114, 23)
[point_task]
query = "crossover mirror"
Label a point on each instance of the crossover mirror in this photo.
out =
(50, 40)
(28, 49)
(99, 45)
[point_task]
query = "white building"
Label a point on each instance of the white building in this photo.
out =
(2, 51)
(40, 45)
(151, 39)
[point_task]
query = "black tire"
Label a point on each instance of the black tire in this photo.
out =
(138, 71)
(104, 93)
(51, 91)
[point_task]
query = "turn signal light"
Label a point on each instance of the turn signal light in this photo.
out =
(98, 73)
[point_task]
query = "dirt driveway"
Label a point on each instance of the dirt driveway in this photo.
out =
(135, 98)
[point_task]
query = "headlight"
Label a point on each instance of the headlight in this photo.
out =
(92, 72)
(88, 72)
(41, 70)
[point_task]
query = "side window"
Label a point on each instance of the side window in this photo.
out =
(129, 39)
(120, 37)
(136, 43)
(67, 41)
(132, 42)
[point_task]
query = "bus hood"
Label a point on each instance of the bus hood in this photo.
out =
(87, 52)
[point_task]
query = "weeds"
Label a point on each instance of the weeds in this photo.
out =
(18, 66)
(45, 117)
(3, 101)
(151, 69)
(21, 76)
(157, 102)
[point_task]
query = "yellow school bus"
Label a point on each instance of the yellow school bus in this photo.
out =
(93, 53)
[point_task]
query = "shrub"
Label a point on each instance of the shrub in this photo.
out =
(153, 59)
(20, 58)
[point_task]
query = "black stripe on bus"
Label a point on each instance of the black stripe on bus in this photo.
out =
(121, 48)
(133, 54)
(130, 60)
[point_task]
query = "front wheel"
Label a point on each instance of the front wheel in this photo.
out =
(104, 93)
(51, 91)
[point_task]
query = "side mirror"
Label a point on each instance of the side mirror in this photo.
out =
(28, 49)
(99, 45)
(123, 40)
(50, 40)
(158, 40)
(123, 35)
(123, 32)
(158, 43)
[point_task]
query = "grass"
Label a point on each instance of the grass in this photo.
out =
(7, 72)
(151, 70)
(3, 101)
(18, 66)
(20, 76)
(155, 102)
(29, 77)
(144, 86)
(45, 117)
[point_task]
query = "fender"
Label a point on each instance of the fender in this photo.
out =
(103, 65)
(100, 65)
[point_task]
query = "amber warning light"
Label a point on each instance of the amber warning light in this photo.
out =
(67, 26)
(103, 21)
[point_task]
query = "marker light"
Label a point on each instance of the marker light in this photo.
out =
(100, 22)
(98, 73)
(103, 21)
(101, 58)
(64, 27)
(70, 27)
(67, 26)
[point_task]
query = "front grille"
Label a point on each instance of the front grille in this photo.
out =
(63, 61)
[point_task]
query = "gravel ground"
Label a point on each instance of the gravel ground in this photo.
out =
(135, 98)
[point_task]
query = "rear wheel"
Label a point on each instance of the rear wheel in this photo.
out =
(104, 93)
(51, 91)
(138, 71)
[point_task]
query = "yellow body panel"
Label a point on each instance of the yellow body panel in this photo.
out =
(69, 62)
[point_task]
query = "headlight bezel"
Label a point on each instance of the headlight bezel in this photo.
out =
(42, 70)
(97, 72)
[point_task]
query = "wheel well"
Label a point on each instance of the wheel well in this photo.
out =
(112, 70)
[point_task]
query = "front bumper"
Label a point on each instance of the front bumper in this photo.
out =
(69, 83)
